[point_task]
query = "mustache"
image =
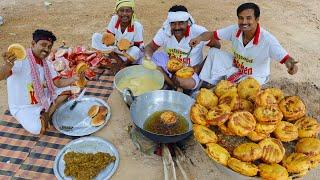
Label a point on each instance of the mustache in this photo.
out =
(45, 52)
(177, 30)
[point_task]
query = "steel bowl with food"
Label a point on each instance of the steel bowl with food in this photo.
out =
(149, 103)
(138, 79)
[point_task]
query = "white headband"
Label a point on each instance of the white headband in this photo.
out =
(178, 16)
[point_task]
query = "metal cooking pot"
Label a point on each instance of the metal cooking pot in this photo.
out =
(137, 71)
(146, 104)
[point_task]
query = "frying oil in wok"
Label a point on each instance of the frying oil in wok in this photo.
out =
(155, 125)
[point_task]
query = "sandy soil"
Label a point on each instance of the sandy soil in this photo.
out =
(296, 24)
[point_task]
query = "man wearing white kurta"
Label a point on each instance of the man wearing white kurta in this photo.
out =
(174, 37)
(252, 46)
(124, 25)
(34, 87)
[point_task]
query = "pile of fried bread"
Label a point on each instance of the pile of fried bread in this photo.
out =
(177, 67)
(266, 119)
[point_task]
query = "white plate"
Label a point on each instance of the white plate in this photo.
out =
(87, 145)
(78, 117)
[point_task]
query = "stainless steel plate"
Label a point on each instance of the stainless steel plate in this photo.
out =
(78, 118)
(87, 145)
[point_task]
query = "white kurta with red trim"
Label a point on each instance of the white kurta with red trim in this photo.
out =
(133, 33)
(22, 101)
(251, 60)
(179, 50)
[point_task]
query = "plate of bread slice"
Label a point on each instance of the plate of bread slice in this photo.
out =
(89, 116)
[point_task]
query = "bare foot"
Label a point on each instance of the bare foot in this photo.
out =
(44, 119)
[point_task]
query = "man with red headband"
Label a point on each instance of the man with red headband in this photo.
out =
(252, 46)
(34, 87)
(174, 37)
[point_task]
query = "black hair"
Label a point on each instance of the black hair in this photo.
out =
(41, 34)
(246, 6)
(177, 8)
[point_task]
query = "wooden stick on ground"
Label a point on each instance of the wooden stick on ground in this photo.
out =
(168, 164)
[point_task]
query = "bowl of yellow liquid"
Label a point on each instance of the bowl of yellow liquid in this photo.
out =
(138, 79)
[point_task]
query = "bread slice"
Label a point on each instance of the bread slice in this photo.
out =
(98, 120)
(108, 39)
(18, 50)
(93, 111)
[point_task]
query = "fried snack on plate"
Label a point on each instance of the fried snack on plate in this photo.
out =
(245, 168)
(241, 123)
(307, 127)
(248, 152)
(225, 130)
(297, 163)
(268, 114)
(292, 108)
(207, 98)
(273, 172)
(277, 93)
(218, 115)
(174, 65)
(108, 39)
(93, 111)
(231, 99)
(256, 136)
(98, 115)
(218, 153)
(246, 105)
(308, 146)
(185, 72)
(123, 44)
(272, 150)
(198, 114)
(286, 131)
(265, 128)
(311, 148)
(248, 88)
(98, 120)
(315, 160)
(203, 134)
(223, 87)
(18, 50)
(103, 110)
(265, 98)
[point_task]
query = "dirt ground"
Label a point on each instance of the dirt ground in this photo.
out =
(295, 23)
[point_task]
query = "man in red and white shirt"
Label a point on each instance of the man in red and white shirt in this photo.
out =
(252, 46)
(34, 87)
(124, 25)
(174, 38)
